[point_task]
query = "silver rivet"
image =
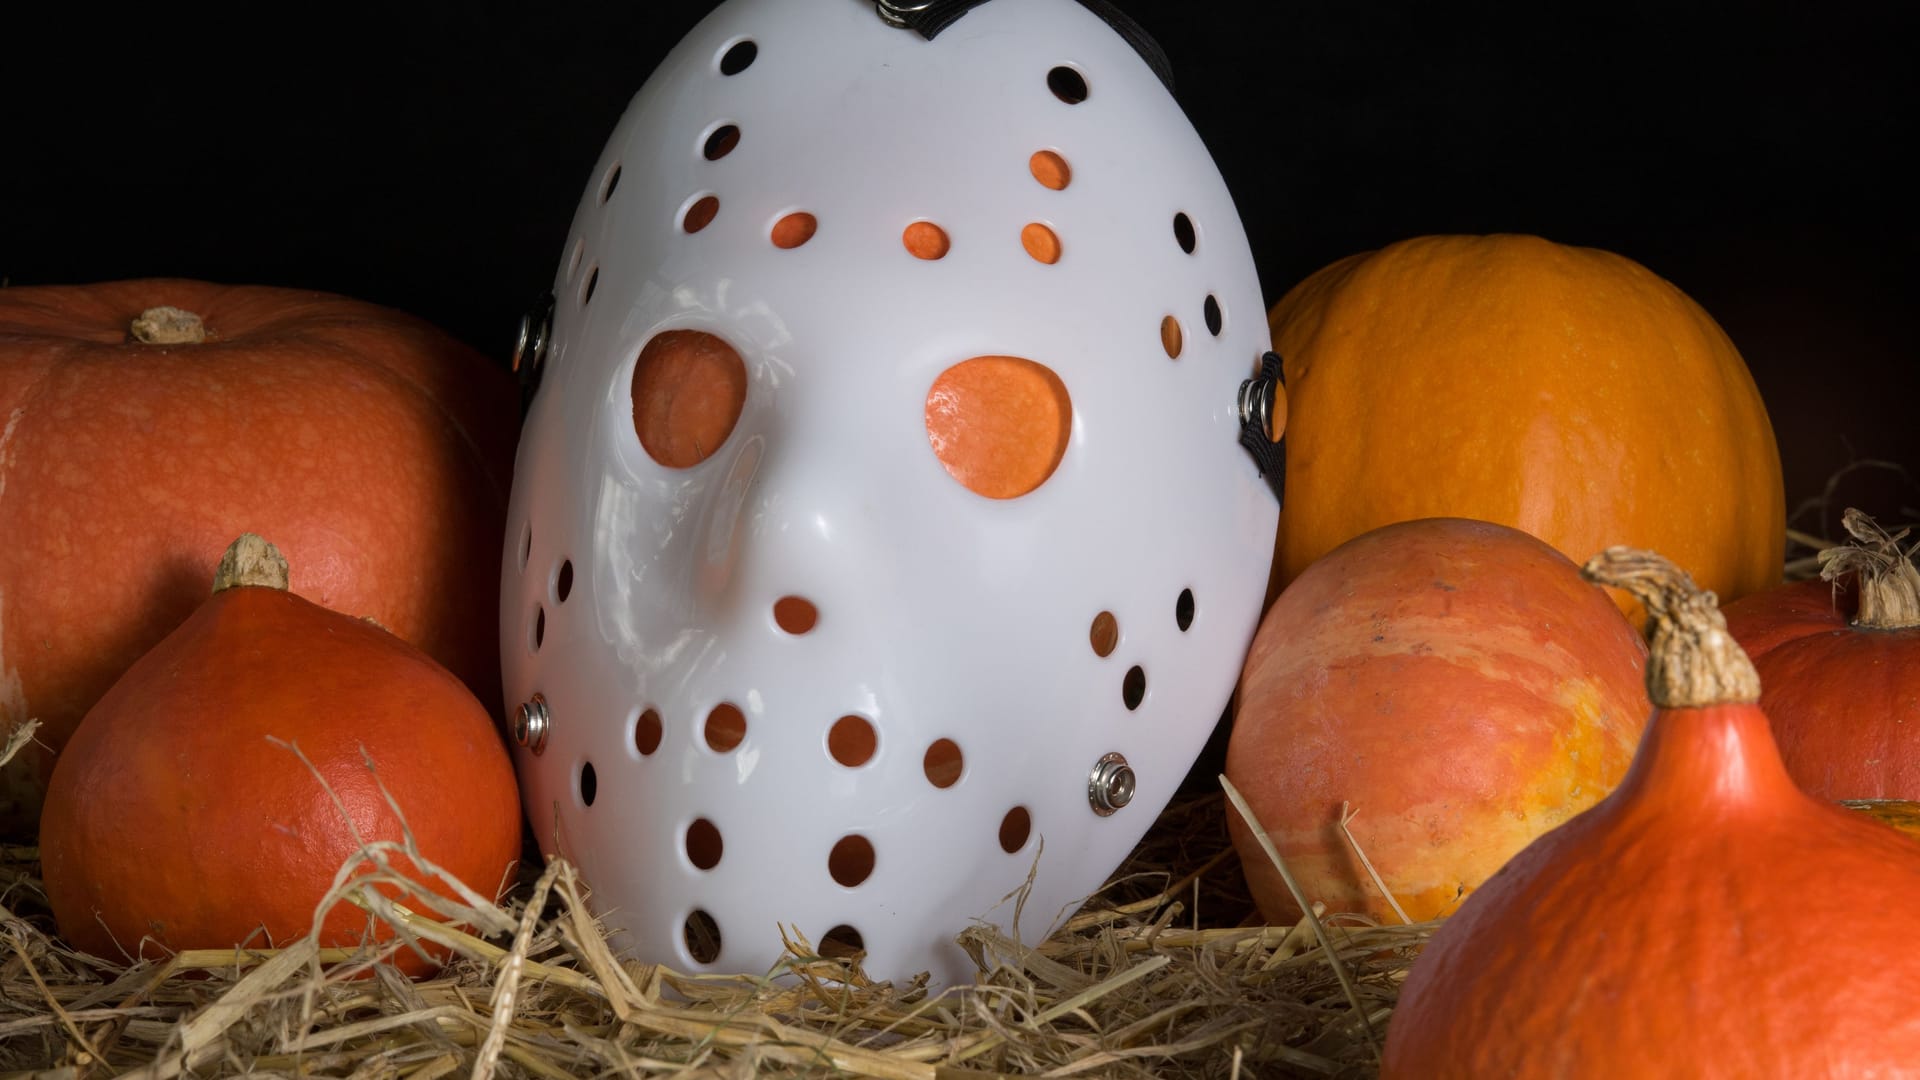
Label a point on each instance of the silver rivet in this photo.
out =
(535, 337)
(1256, 402)
(530, 724)
(1110, 785)
(895, 12)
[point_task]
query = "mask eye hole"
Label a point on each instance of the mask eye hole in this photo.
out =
(999, 424)
(688, 389)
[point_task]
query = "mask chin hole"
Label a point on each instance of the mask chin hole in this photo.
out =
(702, 936)
(943, 763)
(795, 614)
(999, 424)
(688, 389)
(726, 728)
(852, 741)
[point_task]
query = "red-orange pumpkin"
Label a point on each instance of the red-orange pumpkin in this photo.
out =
(375, 448)
(181, 817)
(1457, 685)
(1839, 663)
(1708, 919)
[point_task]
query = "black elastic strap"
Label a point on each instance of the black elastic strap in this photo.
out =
(937, 16)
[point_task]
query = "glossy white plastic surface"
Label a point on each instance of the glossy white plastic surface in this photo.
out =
(942, 614)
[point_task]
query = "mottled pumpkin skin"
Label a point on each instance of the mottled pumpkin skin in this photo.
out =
(179, 817)
(1707, 920)
(1458, 684)
(375, 449)
(1844, 701)
(1565, 391)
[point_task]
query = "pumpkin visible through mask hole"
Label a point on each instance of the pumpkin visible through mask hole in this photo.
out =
(999, 424)
(688, 390)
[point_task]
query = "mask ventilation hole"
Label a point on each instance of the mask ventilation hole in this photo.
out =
(999, 424)
(589, 784)
(1133, 688)
(538, 635)
(526, 544)
(1050, 169)
(1183, 610)
(1104, 634)
(1014, 829)
(700, 213)
(794, 229)
(1041, 242)
(1183, 233)
(851, 741)
(593, 282)
(720, 142)
(563, 582)
(794, 614)
(842, 942)
(703, 844)
(925, 240)
(851, 860)
(647, 731)
(612, 181)
(943, 763)
(1211, 310)
(726, 727)
(702, 936)
(1171, 339)
(688, 389)
(738, 57)
(1067, 84)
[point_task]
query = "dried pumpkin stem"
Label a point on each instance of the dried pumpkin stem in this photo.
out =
(168, 326)
(1883, 571)
(1691, 658)
(250, 560)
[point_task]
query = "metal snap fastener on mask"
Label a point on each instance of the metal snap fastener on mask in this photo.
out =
(1255, 405)
(530, 346)
(1111, 784)
(530, 724)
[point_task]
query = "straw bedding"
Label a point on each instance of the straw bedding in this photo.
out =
(1166, 972)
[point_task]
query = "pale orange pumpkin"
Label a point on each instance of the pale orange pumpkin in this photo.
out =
(1457, 686)
(1565, 391)
(375, 448)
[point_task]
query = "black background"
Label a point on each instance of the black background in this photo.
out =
(1754, 154)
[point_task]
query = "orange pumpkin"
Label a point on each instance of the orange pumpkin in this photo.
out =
(1565, 391)
(1708, 919)
(1456, 685)
(132, 449)
(181, 816)
(1839, 661)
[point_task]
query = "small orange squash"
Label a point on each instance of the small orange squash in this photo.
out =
(180, 815)
(1708, 919)
(1564, 391)
(1456, 686)
(1839, 663)
(145, 424)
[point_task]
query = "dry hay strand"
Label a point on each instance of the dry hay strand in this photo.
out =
(1165, 973)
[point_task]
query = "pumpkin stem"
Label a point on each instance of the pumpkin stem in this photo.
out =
(168, 326)
(1691, 658)
(1888, 582)
(250, 560)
